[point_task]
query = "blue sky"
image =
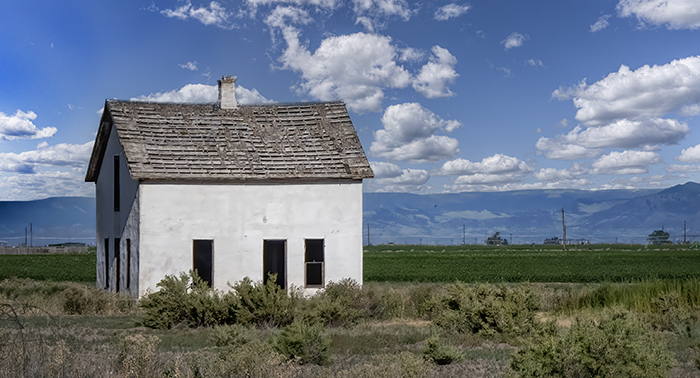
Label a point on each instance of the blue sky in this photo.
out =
(446, 96)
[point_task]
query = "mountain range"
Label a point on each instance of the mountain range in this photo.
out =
(526, 216)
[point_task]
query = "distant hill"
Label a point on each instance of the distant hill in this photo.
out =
(625, 216)
(53, 220)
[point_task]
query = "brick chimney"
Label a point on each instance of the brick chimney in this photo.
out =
(227, 92)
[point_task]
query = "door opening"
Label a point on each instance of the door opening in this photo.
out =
(203, 260)
(274, 261)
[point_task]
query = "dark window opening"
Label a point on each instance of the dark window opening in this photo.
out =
(202, 256)
(128, 263)
(116, 183)
(314, 262)
(274, 256)
(117, 252)
(106, 263)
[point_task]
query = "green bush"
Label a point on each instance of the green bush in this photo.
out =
(304, 343)
(488, 309)
(187, 300)
(438, 352)
(82, 300)
(339, 304)
(233, 335)
(265, 305)
(616, 345)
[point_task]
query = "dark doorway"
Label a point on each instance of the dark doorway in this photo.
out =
(106, 263)
(117, 252)
(202, 257)
(274, 260)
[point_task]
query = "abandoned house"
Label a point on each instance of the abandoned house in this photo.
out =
(230, 190)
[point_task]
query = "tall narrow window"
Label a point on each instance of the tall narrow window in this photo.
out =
(203, 260)
(314, 263)
(274, 261)
(117, 252)
(106, 263)
(128, 263)
(116, 183)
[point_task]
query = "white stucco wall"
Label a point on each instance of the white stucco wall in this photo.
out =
(238, 218)
(110, 223)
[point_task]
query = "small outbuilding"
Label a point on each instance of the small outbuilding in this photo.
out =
(230, 190)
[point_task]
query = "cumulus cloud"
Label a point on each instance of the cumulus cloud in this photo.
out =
(201, 93)
(625, 162)
(636, 182)
(554, 148)
(20, 126)
(492, 165)
(433, 79)
(408, 135)
(408, 180)
(214, 14)
(674, 14)
(62, 155)
(555, 175)
(514, 40)
(383, 8)
(46, 184)
(534, 63)
(690, 155)
(626, 133)
(601, 24)
(564, 184)
(679, 168)
(357, 68)
(384, 170)
(646, 92)
(451, 11)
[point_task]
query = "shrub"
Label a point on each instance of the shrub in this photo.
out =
(187, 300)
(338, 304)
(265, 304)
(616, 345)
(233, 335)
(438, 352)
(84, 300)
(304, 343)
(488, 309)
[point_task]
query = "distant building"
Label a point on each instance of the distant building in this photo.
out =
(496, 239)
(3, 244)
(556, 241)
(659, 237)
(552, 241)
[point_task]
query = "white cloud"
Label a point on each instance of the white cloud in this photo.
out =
(192, 66)
(201, 93)
(20, 126)
(555, 149)
(385, 170)
(534, 63)
(678, 168)
(690, 155)
(627, 134)
(637, 182)
(46, 184)
(64, 155)
(408, 135)
(492, 165)
(646, 92)
(601, 24)
(563, 123)
(214, 14)
(625, 162)
(451, 11)
(408, 180)
(434, 76)
(514, 40)
(383, 8)
(674, 14)
(488, 179)
(556, 175)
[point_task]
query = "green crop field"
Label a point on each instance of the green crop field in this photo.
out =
(537, 263)
(76, 267)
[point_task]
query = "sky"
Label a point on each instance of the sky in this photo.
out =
(446, 96)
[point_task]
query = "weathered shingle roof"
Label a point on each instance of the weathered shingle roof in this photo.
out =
(201, 142)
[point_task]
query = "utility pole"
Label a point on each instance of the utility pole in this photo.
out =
(563, 223)
(464, 234)
(683, 232)
(31, 236)
(369, 243)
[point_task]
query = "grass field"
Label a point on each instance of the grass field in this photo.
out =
(521, 263)
(75, 267)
